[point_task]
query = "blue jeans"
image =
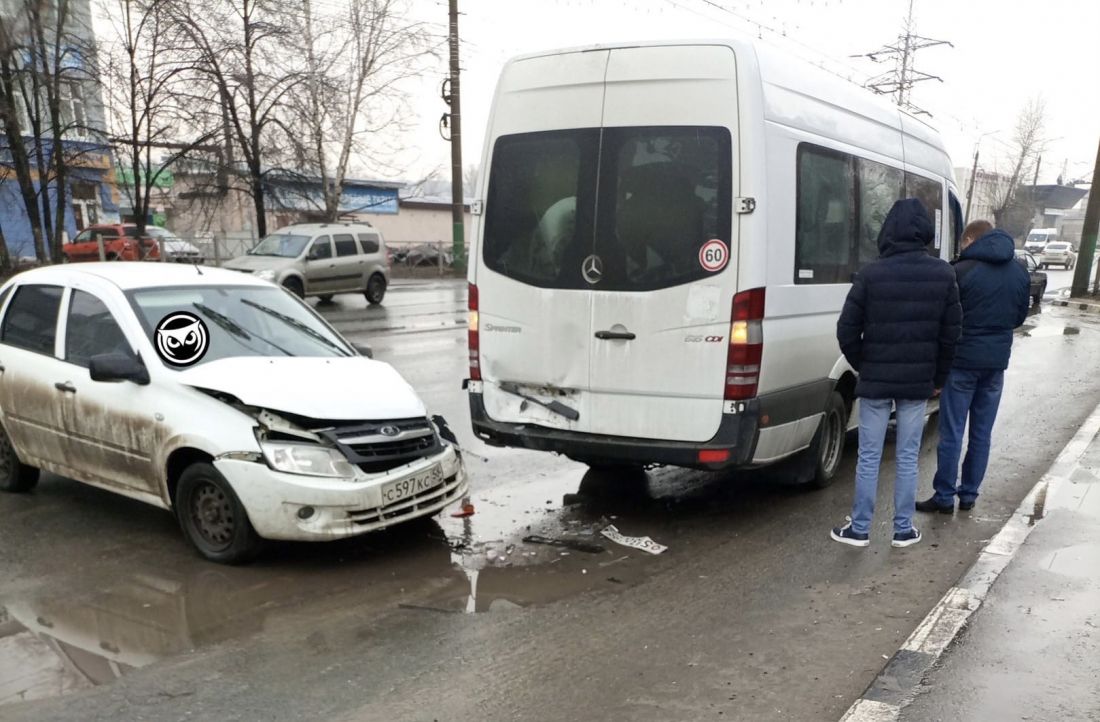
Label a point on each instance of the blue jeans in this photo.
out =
(973, 394)
(874, 416)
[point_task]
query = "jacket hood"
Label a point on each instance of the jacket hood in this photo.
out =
(907, 228)
(996, 246)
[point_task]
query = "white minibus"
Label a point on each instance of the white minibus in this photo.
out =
(667, 232)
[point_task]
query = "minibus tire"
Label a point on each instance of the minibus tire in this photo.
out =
(827, 448)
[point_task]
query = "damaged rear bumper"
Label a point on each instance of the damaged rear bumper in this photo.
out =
(737, 435)
(338, 507)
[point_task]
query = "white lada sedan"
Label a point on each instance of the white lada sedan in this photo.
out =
(215, 395)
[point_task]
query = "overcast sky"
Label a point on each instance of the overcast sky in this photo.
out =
(1005, 51)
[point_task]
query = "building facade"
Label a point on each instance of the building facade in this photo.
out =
(89, 193)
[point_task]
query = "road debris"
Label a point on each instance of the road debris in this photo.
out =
(637, 542)
(467, 509)
(573, 544)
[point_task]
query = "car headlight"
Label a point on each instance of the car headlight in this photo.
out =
(267, 275)
(307, 459)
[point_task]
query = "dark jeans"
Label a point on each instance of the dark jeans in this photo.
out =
(973, 394)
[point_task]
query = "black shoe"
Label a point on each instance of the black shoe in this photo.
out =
(966, 505)
(930, 505)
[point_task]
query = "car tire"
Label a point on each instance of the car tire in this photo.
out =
(1038, 297)
(376, 289)
(827, 448)
(325, 297)
(294, 285)
(212, 518)
(15, 476)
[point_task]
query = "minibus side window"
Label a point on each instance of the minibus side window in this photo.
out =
(879, 188)
(930, 193)
(825, 222)
(956, 223)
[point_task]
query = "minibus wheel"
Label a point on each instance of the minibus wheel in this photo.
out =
(827, 448)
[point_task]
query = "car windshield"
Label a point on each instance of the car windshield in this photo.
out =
(241, 321)
(1037, 237)
(284, 245)
(1056, 246)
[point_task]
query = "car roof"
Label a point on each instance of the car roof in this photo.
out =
(321, 227)
(132, 275)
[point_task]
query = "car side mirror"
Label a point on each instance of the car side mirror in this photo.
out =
(363, 349)
(118, 367)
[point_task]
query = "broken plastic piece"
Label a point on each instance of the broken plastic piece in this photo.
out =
(467, 510)
(638, 542)
(566, 543)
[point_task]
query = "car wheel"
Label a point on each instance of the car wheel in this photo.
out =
(15, 476)
(212, 517)
(325, 297)
(827, 448)
(295, 286)
(376, 289)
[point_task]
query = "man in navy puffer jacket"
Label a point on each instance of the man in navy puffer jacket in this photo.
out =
(994, 291)
(898, 330)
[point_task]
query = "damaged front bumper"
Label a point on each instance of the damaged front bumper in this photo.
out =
(307, 508)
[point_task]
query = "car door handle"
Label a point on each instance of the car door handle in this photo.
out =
(615, 335)
(66, 386)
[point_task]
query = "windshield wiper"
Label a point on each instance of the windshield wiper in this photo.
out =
(295, 323)
(235, 328)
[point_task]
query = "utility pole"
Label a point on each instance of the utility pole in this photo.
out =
(970, 190)
(453, 99)
(1088, 234)
(900, 81)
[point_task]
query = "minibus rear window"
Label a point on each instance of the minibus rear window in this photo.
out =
(641, 201)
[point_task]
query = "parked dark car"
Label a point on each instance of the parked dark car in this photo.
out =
(1038, 278)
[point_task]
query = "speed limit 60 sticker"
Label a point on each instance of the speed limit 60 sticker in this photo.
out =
(714, 255)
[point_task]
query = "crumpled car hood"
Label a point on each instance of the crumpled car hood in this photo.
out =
(351, 388)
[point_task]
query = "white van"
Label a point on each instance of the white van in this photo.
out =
(1038, 238)
(668, 234)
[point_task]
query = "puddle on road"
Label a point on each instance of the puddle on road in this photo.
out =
(97, 624)
(92, 626)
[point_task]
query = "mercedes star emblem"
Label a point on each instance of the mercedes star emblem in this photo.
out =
(592, 269)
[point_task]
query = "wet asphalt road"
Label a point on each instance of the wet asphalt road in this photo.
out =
(751, 614)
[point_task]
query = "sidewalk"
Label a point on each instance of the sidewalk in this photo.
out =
(1019, 637)
(1032, 651)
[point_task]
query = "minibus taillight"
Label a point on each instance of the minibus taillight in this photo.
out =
(746, 345)
(474, 341)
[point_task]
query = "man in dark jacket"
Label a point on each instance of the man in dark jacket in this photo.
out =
(994, 291)
(898, 330)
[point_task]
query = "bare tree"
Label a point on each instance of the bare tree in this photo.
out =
(469, 180)
(355, 62)
(11, 100)
(1028, 144)
(48, 58)
(144, 79)
(238, 51)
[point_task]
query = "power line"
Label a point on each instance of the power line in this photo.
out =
(899, 82)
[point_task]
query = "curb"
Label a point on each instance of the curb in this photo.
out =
(898, 682)
(1077, 304)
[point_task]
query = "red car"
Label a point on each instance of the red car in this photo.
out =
(121, 242)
